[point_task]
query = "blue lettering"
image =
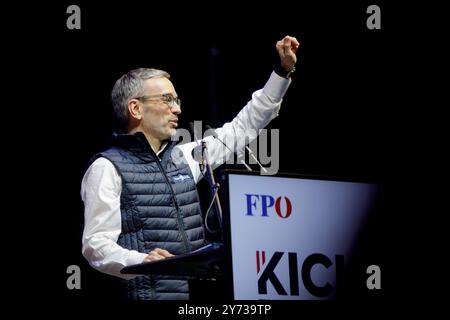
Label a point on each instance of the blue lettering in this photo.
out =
(266, 204)
(251, 204)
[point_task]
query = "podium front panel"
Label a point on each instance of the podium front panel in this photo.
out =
(291, 238)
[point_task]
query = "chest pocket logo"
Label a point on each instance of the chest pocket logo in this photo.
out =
(181, 178)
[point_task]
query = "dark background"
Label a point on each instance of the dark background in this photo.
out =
(340, 117)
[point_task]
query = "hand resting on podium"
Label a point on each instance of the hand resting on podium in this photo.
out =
(157, 254)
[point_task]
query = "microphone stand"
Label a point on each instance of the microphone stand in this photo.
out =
(212, 183)
(206, 170)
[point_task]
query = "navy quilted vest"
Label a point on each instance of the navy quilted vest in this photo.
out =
(159, 209)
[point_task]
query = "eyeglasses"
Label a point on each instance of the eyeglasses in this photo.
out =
(167, 98)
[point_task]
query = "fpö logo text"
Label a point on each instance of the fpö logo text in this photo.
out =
(296, 272)
(264, 205)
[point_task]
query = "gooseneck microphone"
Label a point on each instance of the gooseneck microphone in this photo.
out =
(246, 147)
(200, 159)
(207, 172)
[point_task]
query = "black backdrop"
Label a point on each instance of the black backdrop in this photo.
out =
(337, 118)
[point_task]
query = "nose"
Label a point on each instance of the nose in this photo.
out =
(175, 108)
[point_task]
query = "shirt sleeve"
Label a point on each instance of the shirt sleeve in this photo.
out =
(100, 191)
(256, 114)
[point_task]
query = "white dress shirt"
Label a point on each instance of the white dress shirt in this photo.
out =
(101, 186)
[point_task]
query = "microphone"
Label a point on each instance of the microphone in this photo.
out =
(246, 147)
(197, 152)
(208, 127)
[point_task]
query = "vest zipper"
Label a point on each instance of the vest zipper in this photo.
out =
(179, 221)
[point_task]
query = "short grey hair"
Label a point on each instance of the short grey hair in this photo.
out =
(129, 86)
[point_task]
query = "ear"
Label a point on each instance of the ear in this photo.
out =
(134, 109)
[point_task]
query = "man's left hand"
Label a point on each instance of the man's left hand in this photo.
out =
(287, 49)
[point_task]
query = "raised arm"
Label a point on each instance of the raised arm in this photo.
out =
(256, 114)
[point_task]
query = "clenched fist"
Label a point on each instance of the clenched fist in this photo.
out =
(287, 49)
